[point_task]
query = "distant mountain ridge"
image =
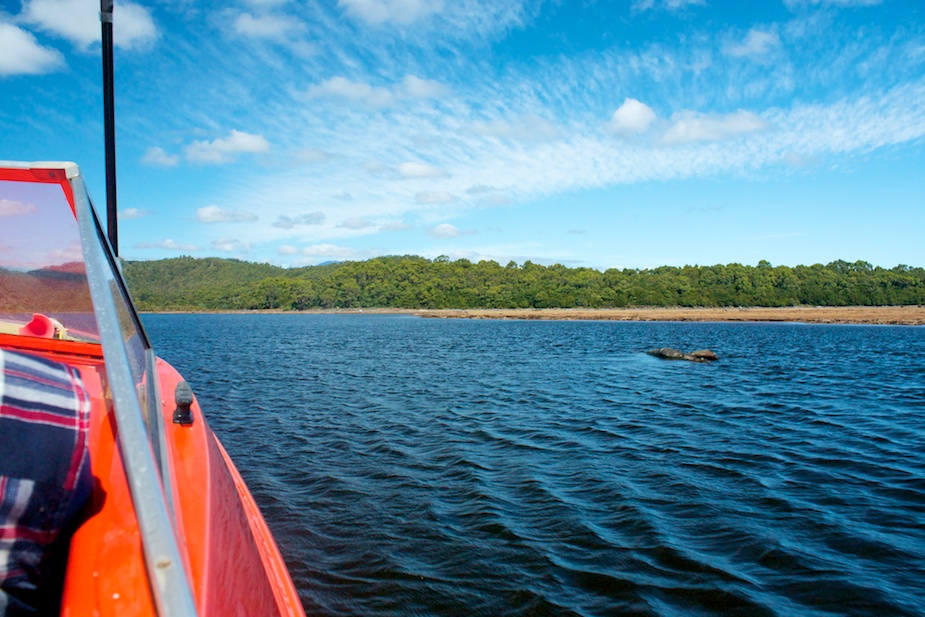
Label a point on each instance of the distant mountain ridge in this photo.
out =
(187, 283)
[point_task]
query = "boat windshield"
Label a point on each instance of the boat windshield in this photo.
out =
(43, 280)
(60, 280)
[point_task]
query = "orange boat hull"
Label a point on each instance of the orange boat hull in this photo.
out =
(234, 564)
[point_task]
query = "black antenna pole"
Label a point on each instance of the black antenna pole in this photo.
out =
(109, 113)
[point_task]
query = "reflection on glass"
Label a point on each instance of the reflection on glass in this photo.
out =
(134, 347)
(43, 281)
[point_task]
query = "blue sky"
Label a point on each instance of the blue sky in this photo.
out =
(629, 133)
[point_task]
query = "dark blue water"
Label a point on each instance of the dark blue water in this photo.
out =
(442, 467)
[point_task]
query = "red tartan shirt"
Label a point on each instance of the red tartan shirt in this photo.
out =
(44, 477)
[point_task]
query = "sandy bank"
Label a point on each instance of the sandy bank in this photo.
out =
(890, 315)
(896, 315)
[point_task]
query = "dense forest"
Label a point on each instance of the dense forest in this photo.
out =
(186, 283)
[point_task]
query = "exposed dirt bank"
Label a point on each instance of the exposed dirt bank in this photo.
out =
(892, 315)
(897, 315)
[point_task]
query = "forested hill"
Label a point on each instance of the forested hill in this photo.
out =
(186, 283)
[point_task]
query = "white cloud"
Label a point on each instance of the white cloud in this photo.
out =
(225, 150)
(167, 244)
(690, 126)
(157, 156)
(859, 117)
(434, 198)
(411, 87)
(229, 245)
(133, 27)
(78, 21)
(9, 207)
(444, 230)
(443, 20)
(839, 3)
(288, 222)
(356, 223)
(416, 87)
(402, 12)
(264, 26)
(632, 117)
(131, 213)
(214, 214)
(21, 54)
(342, 88)
(757, 44)
(414, 169)
(331, 251)
(670, 5)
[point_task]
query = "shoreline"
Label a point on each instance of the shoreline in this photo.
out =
(860, 315)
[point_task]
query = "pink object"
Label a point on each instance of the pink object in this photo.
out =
(40, 326)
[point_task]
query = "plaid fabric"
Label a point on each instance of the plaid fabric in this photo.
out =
(44, 475)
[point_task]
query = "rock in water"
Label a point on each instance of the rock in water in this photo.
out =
(667, 353)
(703, 354)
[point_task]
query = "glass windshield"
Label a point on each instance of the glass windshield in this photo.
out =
(43, 280)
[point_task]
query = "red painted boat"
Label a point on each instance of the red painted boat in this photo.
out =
(172, 528)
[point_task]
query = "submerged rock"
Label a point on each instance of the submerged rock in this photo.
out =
(703, 354)
(667, 353)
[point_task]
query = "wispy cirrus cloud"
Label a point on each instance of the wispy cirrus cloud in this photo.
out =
(387, 144)
(402, 12)
(395, 226)
(313, 155)
(343, 88)
(531, 128)
(416, 169)
(836, 3)
(158, 157)
(758, 44)
(309, 218)
(444, 230)
(229, 245)
(266, 26)
(456, 19)
(434, 198)
(668, 5)
(168, 245)
(686, 144)
(317, 253)
(356, 223)
(129, 214)
(10, 207)
(410, 87)
(214, 214)
(691, 126)
(226, 149)
(416, 87)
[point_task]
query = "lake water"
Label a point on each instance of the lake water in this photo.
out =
(442, 467)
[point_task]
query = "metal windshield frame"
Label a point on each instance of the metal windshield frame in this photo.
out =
(140, 446)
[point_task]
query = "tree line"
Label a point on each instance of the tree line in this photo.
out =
(187, 283)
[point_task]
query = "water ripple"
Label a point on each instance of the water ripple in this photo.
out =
(534, 468)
